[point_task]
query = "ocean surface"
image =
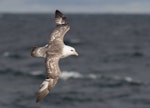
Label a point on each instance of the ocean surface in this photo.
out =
(111, 71)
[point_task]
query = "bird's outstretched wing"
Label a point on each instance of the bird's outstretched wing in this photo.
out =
(61, 28)
(52, 75)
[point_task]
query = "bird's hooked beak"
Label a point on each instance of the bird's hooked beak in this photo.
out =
(76, 54)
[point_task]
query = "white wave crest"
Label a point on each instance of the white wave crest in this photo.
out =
(37, 72)
(92, 76)
(65, 75)
(6, 54)
(128, 79)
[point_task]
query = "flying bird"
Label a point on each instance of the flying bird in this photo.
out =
(53, 52)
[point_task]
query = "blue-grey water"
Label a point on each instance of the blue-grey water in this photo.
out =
(111, 71)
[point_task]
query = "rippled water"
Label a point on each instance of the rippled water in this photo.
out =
(112, 70)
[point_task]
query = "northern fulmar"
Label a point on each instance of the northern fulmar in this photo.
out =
(53, 52)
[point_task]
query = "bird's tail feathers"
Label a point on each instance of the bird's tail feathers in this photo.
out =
(39, 51)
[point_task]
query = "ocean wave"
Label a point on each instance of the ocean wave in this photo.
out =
(128, 80)
(67, 75)
(6, 54)
(37, 73)
(12, 55)
(123, 56)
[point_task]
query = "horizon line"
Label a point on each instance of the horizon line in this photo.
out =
(73, 12)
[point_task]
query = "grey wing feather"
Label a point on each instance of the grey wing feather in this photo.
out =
(62, 27)
(59, 33)
(52, 67)
(52, 75)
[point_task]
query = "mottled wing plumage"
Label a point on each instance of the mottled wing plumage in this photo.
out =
(53, 54)
(52, 67)
(52, 75)
(62, 27)
(59, 33)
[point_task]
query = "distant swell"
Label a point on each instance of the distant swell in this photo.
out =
(65, 75)
(12, 55)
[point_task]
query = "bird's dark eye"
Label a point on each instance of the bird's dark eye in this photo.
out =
(71, 50)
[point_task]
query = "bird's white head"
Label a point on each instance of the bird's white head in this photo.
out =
(68, 50)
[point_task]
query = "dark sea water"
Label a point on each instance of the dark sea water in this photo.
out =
(112, 71)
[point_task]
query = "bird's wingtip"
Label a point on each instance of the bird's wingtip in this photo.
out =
(57, 10)
(60, 18)
(58, 13)
(41, 95)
